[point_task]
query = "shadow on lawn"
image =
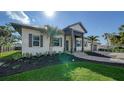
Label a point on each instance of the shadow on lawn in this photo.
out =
(113, 72)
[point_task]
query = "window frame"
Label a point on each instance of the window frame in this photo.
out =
(60, 42)
(35, 40)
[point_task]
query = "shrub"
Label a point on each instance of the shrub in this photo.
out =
(5, 65)
(15, 57)
(60, 52)
(16, 66)
(38, 54)
(46, 53)
(107, 50)
(54, 52)
(27, 55)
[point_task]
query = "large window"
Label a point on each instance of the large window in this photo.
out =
(36, 40)
(57, 42)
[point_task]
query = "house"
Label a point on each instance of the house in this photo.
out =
(87, 45)
(35, 38)
(17, 46)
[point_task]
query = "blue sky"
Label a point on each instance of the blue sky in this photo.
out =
(96, 23)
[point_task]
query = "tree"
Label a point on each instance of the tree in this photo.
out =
(107, 38)
(92, 39)
(121, 34)
(51, 33)
(115, 39)
(7, 36)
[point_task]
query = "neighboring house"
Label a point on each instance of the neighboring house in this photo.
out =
(6, 48)
(87, 45)
(104, 47)
(17, 46)
(35, 39)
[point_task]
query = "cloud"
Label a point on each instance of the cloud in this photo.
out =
(19, 16)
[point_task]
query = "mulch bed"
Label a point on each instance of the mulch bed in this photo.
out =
(25, 64)
(96, 54)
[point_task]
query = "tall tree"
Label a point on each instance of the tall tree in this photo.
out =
(92, 39)
(107, 38)
(7, 36)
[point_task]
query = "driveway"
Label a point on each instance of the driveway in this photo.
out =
(112, 54)
(99, 59)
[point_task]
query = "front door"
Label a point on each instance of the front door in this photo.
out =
(67, 45)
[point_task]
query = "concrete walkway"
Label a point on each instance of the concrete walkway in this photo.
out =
(100, 59)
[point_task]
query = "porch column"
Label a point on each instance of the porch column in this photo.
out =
(72, 41)
(75, 43)
(64, 42)
(82, 42)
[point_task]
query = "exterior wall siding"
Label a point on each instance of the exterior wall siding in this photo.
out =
(37, 49)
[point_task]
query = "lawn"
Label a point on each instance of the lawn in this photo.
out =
(11, 55)
(70, 70)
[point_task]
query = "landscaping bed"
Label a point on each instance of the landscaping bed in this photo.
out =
(95, 54)
(58, 67)
(25, 63)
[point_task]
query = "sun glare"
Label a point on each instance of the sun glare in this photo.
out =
(49, 13)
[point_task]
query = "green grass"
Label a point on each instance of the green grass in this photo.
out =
(71, 71)
(11, 55)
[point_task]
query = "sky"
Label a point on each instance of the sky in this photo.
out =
(95, 22)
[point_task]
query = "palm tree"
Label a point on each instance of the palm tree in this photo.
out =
(107, 38)
(92, 39)
(51, 32)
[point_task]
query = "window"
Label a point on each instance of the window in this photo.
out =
(78, 43)
(36, 40)
(57, 42)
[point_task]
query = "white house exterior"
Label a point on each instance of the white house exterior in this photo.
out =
(35, 39)
(37, 48)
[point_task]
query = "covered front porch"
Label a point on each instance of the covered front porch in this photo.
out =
(74, 41)
(74, 37)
